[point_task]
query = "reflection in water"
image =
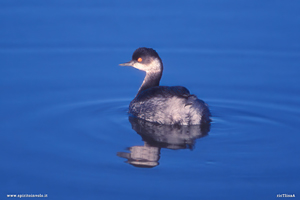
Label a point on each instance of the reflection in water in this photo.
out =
(157, 136)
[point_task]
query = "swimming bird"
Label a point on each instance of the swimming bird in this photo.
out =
(163, 104)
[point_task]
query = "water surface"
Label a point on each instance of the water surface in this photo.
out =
(64, 99)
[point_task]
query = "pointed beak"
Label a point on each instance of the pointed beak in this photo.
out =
(130, 63)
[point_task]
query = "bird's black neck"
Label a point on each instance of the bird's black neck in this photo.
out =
(152, 79)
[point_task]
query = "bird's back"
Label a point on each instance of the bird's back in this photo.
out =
(169, 105)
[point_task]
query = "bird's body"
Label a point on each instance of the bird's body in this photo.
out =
(163, 104)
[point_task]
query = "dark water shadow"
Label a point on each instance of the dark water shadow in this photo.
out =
(157, 136)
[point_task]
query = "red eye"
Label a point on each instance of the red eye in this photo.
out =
(139, 59)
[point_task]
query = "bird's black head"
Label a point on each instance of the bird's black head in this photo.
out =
(145, 59)
(144, 55)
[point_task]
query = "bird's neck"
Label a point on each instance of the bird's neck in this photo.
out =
(152, 79)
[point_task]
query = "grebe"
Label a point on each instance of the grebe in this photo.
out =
(162, 104)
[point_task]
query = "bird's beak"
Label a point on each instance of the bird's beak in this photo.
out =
(130, 63)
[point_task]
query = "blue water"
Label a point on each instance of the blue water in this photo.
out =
(64, 99)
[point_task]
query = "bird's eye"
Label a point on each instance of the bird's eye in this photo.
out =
(139, 59)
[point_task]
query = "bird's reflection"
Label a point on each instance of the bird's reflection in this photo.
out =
(157, 136)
